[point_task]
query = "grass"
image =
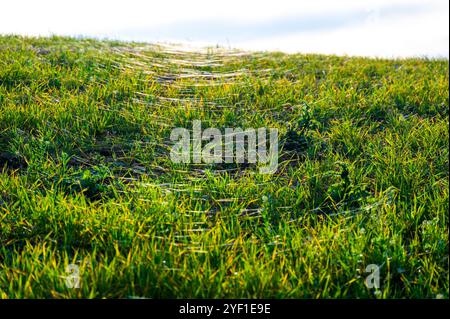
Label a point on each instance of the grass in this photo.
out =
(86, 178)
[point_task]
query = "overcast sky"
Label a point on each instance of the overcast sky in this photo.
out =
(388, 28)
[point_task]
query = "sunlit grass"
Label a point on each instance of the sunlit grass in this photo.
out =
(86, 178)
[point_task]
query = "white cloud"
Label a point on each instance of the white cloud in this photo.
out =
(423, 34)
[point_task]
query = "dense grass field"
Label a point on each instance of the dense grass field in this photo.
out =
(86, 177)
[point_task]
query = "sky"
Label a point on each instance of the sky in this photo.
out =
(382, 28)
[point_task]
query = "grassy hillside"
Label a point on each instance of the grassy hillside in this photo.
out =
(86, 177)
